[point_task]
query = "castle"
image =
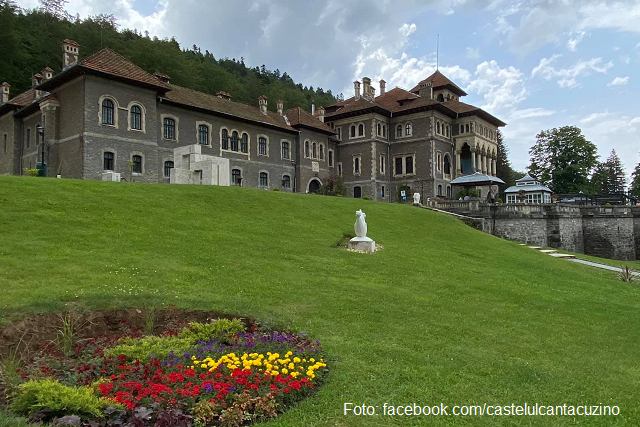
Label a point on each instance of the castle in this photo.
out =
(104, 113)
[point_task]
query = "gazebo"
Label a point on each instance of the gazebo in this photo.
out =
(480, 181)
(528, 190)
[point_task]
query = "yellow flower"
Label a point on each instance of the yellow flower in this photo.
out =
(285, 371)
(292, 366)
(296, 360)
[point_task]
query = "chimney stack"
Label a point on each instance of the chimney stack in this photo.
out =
(356, 88)
(36, 79)
(279, 106)
(383, 87)
(313, 108)
(47, 73)
(425, 90)
(223, 95)
(70, 53)
(4, 94)
(321, 114)
(262, 101)
(366, 87)
(162, 77)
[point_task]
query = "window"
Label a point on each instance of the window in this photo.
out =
(408, 129)
(108, 112)
(437, 127)
(314, 151)
(244, 143)
(264, 179)
(262, 146)
(357, 192)
(168, 165)
(360, 130)
(286, 181)
(379, 129)
(339, 168)
(441, 97)
(306, 149)
(353, 131)
(169, 129)
(203, 135)
(137, 164)
(224, 136)
(511, 198)
(321, 151)
(439, 162)
(108, 161)
(285, 150)
(399, 131)
(447, 131)
(382, 164)
(135, 117)
(461, 129)
(439, 190)
(467, 127)
(408, 165)
(447, 165)
(330, 158)
(28, 137)
(382, 191)
(398, 162)
(339, 129)
(384, 131)
(236, 176)
(234, 141)
(356, 165)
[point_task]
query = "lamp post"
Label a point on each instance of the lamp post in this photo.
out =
(40, 132)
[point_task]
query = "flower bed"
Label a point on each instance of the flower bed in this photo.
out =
(218, 373)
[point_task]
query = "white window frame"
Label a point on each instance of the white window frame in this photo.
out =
(357, 125)
(331, 160)
(260, 135)
(382, 163)
(339, 168)
(404, 164)
(116, 108)
(260, 173)
(353, 164)
(143, 118)
(208, 125)
(177, 129)
(282, 141)
(142, 163)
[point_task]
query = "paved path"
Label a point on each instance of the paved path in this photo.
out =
(603, 266)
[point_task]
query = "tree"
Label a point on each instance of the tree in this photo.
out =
(634, 187)
(55, 8)
(563, 159)
(609, 176)
(503, 165)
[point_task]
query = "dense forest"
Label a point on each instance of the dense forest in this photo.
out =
(30, 41)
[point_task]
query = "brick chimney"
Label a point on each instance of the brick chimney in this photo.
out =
(70, 53)
(223, 95)
(4, 93)
(36, 79)
(425, 90)
(356, 88)
(162, 77)
(47, 73)
(279, 106)
(321, 113)
(383, 87)
(262, 101)
(366, 87)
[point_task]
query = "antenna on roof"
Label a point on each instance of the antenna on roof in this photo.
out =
(438, 53)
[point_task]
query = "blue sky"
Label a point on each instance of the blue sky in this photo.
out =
(536, 64)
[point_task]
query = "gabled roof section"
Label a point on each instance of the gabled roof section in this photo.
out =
(298, 117)
(352, 106)
(439, 80)
(463, 110)
(526, 178)
(203, 101)
(108, 64)
(20, 101)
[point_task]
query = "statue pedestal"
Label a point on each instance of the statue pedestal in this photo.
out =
(363, 244)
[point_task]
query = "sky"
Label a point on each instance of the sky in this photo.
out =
(535, 64)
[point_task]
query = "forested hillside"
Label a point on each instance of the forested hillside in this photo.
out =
(30, 41)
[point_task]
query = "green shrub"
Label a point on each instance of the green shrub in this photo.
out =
(208, 331)
(31, 172)
(276, 189)
(366, 198)
(36, 395)
(142, 348)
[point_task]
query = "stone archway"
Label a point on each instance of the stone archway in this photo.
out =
(314, 185)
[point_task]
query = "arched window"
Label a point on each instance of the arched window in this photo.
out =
(399, 131)
(356, 165)
(234, 141)
(441, 97)
(136, 117)
(306, 149)
(321, 152)
(408, 129)
(353, 131)
(384, 131)
(357, 192)
(379, 129)
(203, 135)
(286, 181)
(168, 165)
(262, 146)
(108, 112)
(137, 164)
(461, 129)
(285, 150)
(439, 190)
(264, 179)
(448, 192)
(314, 151)
(447, 131)
(108, 161)
(236, 176)
(447, 165)
(437, 127)
(224, 136)
(467, 127)
(244, 143)
(361, 130)
(169, 125)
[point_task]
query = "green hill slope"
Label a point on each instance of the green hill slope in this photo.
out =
(443, 313)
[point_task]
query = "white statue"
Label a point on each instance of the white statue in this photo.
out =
(416, 198)
(360, 225)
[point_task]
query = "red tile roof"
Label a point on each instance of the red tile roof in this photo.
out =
(71, 42)
(298, 117)
(189, 97)
(437, 80)
(22, 100)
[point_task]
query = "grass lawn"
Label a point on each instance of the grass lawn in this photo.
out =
(444, 313)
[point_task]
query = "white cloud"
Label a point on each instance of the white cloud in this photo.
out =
(572, 44)
(619, 81)
(473, 53)
(501, 88)
(567, 77)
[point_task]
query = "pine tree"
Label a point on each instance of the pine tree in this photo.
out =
(634, 187)
(55, 8)
(617, 180)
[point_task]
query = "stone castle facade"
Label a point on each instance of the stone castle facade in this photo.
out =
(104, 113)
